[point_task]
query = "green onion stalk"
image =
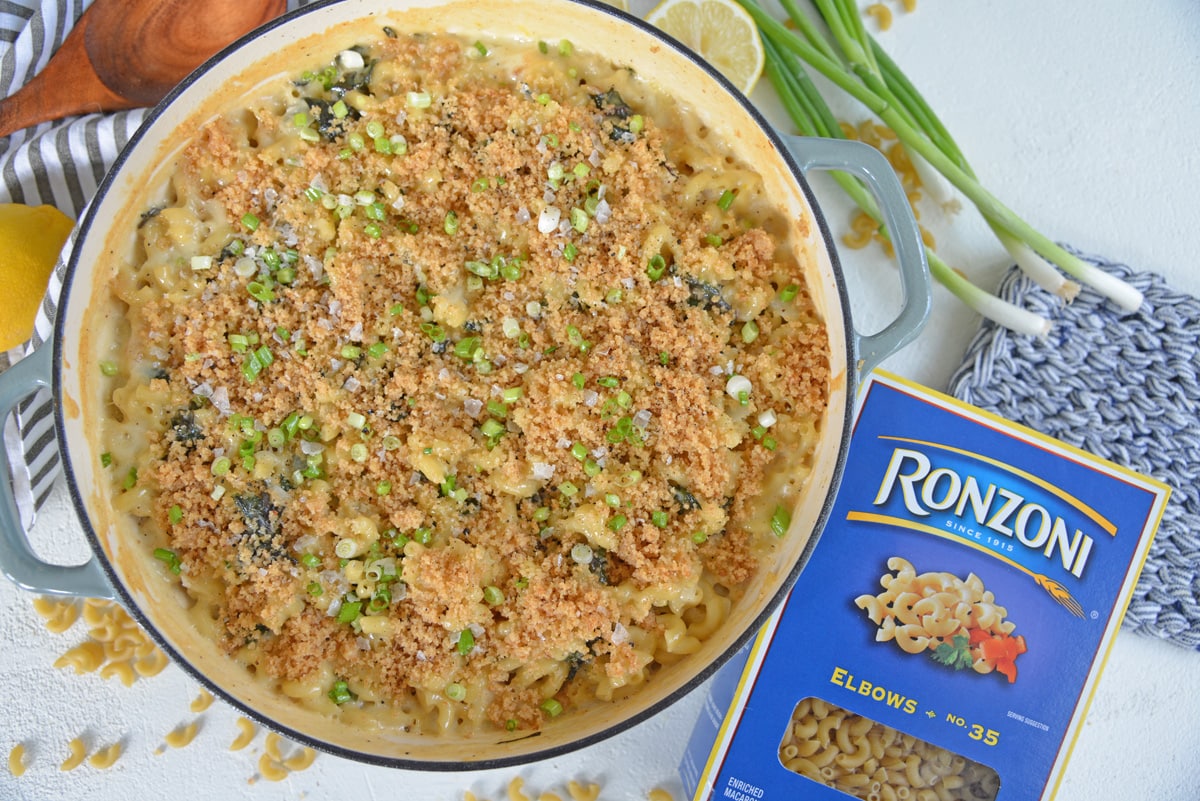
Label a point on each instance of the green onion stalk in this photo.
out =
(812, 117)
(870, 77)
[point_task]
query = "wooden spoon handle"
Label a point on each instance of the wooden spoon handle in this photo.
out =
(68, 85)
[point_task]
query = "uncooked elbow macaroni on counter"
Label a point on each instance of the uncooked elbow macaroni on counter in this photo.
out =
(956, 621)
(456, 381)
(116, 644)
(16, 760)
(874, 762)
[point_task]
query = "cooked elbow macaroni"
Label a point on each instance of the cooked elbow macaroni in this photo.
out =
(938, 610)
(429, 355)
(874, 762)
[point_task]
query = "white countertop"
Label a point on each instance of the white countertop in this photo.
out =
(1083, 116)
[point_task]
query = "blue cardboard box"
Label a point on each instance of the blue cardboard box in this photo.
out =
(946, 636)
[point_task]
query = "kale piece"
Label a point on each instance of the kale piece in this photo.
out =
(185, 429)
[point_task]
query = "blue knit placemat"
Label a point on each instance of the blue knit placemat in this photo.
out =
(1122, 386)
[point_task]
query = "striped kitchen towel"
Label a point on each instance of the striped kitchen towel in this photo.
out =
(60, 164)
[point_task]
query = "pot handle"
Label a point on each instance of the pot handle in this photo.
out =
(864, 161)
(17, 558)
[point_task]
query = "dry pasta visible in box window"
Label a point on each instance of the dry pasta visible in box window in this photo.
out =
(454, 375)
(868, 760)
(956, 621)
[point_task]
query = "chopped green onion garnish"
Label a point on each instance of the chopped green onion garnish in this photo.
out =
(315, 588)
(106, 459)
(456, 692)
(579, 451)
(726, 199)
(579, 219)
(552, 707)
(491, 428)
(350, 611)
(108, 368)
(260, 291)
(433, 331)
(130, 480)
(465, 348)
(567, 489)
(175, 514)
(377, 350)
(170, 558)
(310, 560)
(788, 293)
(356, 420)
(656, 267)
(769, 442)
(699, 537)
(221, 466)
(450, 224)
(497, 408)
(659, 518)
(617, 522)
(570, 251)
(493, 595)
(749, 332)
(466, 641)
(250, 221)
(781, 519)
(351, 352)
(541, 514)
(340, 693)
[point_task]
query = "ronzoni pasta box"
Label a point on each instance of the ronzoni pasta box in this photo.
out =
(946, 636)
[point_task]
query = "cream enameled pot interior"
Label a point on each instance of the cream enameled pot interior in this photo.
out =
(314, 35)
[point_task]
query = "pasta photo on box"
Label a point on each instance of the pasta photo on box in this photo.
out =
(947, 635)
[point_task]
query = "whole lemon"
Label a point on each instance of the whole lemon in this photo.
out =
(31, 237)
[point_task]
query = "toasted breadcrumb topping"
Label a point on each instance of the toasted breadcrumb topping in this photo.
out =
(440, 367)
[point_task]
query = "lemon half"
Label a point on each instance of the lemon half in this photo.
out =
(719, 31)
(31, 237)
